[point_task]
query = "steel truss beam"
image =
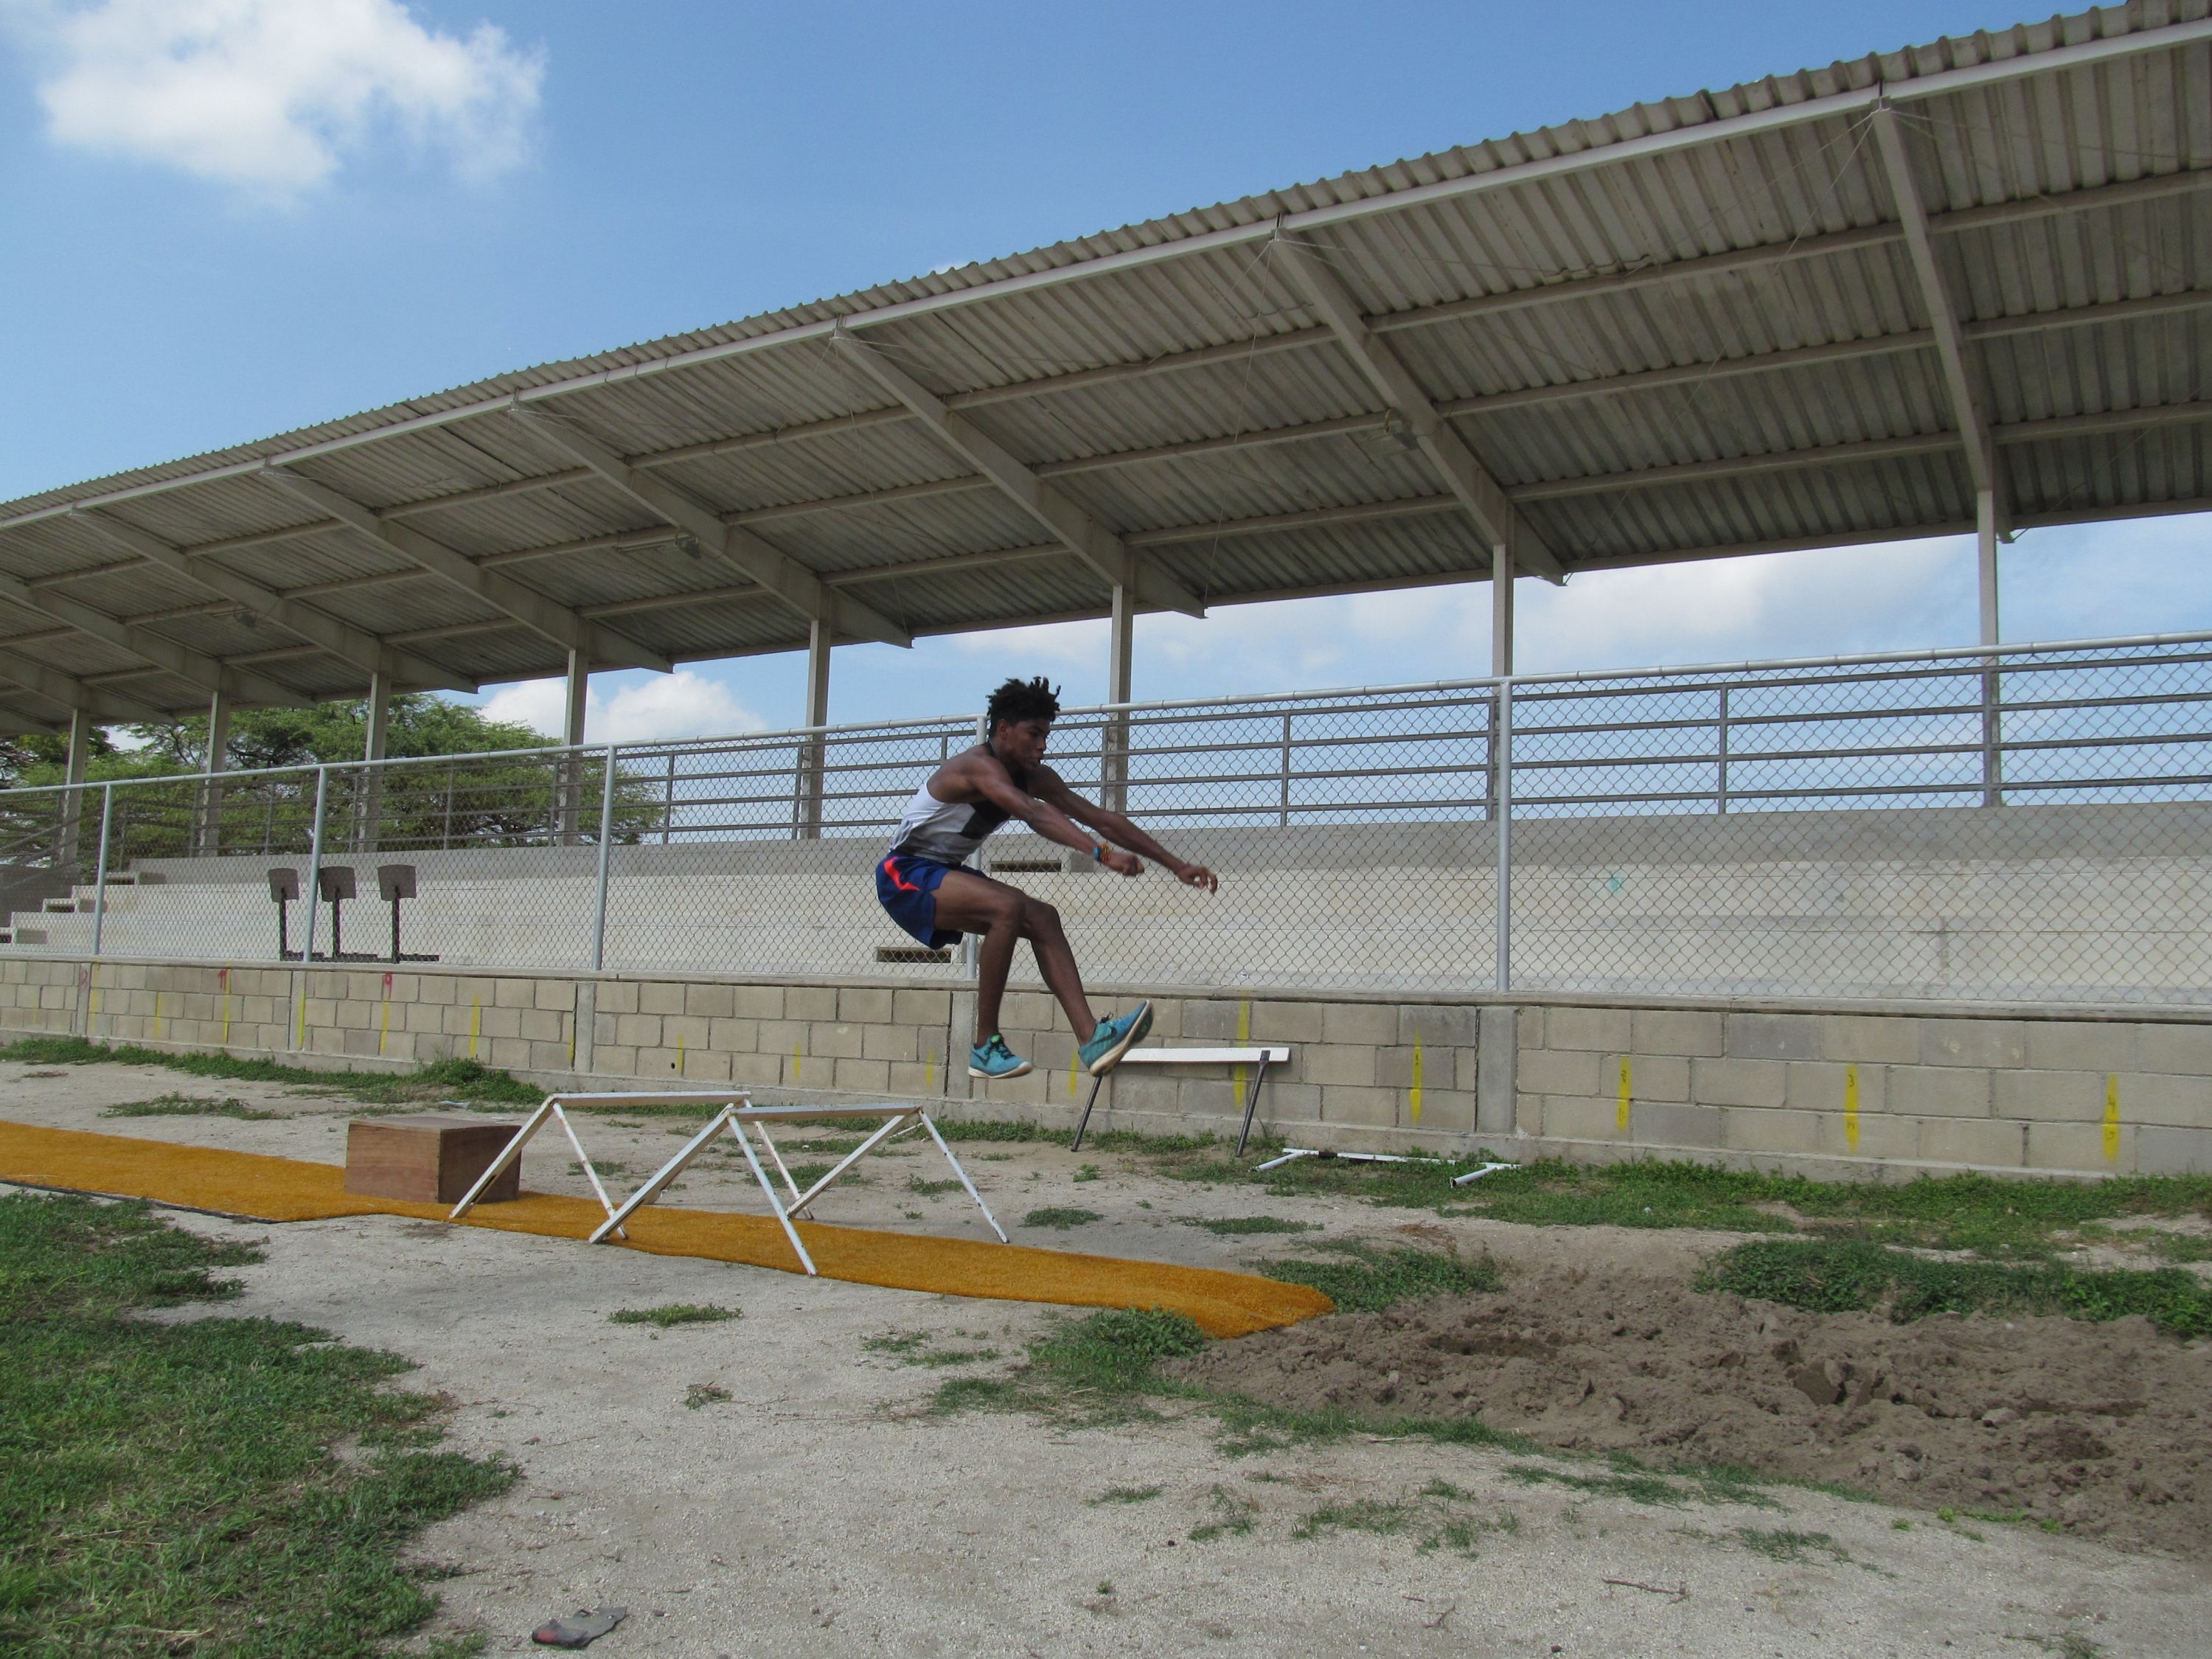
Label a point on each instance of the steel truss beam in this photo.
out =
(67, 691)
(1105, 552)
(1481, 495)
(348, 644)
(542, 615)
(1935, 299)
(164, 655)
(780, 577)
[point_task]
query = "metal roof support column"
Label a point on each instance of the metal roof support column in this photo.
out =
(1985, 571)
(74, 759)
(209, 841)
(1075, 528)
(814, 760)
(1120, 647)
(576, 696)
(1501, 608)
(370, 800)
(1467, 479)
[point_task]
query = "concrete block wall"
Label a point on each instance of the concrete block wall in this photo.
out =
(1836, 1092)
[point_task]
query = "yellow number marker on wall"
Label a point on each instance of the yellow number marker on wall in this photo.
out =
(224, 976)
(2112, 1117)
(157, 1016)
(1244, 1035)
(1851, 1107)
(679, 1054)
(475, 1025)
(794, 1064)
(384, 1029)
(1414, 1095)
(1621, 1117)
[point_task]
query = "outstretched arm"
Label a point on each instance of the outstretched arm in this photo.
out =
(1116, 827)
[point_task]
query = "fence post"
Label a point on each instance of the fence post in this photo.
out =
(1501, 753)
(668, 802)
(313, 891)
(1992, 733)
(100, 870)
(606, 840)
(1724, 750)
(1282, 811)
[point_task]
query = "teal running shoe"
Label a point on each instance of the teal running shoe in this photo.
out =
(1115, 1038)
(994, 1060)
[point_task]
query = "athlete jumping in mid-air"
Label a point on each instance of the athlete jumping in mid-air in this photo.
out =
(928, 892)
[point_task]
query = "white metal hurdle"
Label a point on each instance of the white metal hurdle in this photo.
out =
(899, 1117)
(550, 1109)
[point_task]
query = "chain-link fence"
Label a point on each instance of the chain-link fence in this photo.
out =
(2022, 824)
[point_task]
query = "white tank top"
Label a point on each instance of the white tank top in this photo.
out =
(943, 831)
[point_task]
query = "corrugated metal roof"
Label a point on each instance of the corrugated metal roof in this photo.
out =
(1693, 327)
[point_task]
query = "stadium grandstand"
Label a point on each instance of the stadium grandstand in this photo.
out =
(1953, 290)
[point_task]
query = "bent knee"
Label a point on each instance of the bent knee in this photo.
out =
(1039, 916)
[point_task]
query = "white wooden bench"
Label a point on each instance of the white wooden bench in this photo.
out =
(1260, 1056)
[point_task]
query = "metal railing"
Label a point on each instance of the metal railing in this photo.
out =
(2025, 823)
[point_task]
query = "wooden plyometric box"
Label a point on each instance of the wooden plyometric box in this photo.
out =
(428, 1160)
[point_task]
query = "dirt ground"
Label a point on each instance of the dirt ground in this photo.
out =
(822, 1502)
(2106, 1430)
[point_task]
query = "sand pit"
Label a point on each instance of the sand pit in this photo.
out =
(2105, 1429)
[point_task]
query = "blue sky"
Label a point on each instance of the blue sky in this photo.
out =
(254, 215)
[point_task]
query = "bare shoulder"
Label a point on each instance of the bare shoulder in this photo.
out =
(962, 778)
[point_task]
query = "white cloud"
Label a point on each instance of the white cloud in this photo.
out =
(684, 704)
(270, 94)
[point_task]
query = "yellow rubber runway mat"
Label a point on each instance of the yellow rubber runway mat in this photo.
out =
(259, 1188)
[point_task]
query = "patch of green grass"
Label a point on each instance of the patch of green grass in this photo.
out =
(1249, 1428)
(1975, 1213)
(2180, 1247)
(1438, 1512)
(674, 1313)
(1359, 1514)
(1838, 1276)
(704, 1393)
(1363, 1277)
(1233, 1226)
(484, 1086)
(175, 1105)
(1088, 1172)
(1125, 1495)
(170, 1485)
(1781, 1544)
(1060, 1219)
(807, 1174)
(1624, 1477)
(1233, 1518)
(932, 1188)
(1105, 1140)
(912, 1348)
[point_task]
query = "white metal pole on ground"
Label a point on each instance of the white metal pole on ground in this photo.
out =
(1502, 744)
(816, 750)
(99, 871)
(1985, 574)
(313, 891)
(606, 840)
(218, 761)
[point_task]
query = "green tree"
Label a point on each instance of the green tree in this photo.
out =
(489, 802)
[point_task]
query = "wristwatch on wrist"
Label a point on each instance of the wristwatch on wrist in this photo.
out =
(1097, 854)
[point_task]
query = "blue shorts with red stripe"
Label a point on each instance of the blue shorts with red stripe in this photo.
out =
(906, 886)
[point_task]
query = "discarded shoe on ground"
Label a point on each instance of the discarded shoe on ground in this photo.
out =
(580, 1630)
